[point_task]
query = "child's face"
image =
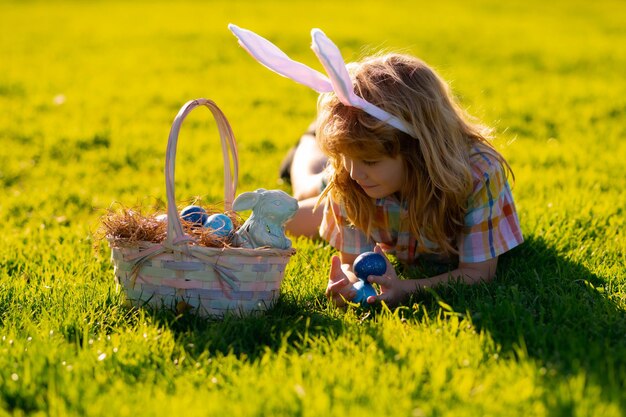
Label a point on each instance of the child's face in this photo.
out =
(378, 177)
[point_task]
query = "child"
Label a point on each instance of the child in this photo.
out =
(409, 173)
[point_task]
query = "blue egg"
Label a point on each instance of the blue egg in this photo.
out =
(194, 214)
(220, 224)
(363, 291)
(369, 263)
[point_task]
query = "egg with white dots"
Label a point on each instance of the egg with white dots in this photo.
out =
(369, 263)
(366, 264)
(220, 224)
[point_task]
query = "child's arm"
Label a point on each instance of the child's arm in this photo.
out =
(395, 290)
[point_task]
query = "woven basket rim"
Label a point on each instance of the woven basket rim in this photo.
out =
(121, 243)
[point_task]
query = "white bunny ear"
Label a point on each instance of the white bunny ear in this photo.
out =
(246, 201)
(327, 52)
(276, 60)
(330, 57)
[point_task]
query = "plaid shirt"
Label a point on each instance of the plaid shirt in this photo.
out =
(491, 224)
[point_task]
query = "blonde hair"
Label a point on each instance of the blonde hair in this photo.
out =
(438, 177)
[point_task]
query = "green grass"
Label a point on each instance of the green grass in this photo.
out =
(88, 91)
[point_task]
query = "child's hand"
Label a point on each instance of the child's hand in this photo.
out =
(339, 288)
(392, 290)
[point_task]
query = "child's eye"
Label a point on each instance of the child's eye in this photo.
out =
(370, 163)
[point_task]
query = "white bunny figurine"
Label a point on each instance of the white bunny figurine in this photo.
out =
(265, 227)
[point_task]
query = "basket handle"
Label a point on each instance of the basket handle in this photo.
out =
(175, 233)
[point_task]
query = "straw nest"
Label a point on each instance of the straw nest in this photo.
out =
(131, 226)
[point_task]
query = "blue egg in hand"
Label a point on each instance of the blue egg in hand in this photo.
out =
(363, 291)
(366, 264)
(220, 224)
(369, 263)
(194, 214)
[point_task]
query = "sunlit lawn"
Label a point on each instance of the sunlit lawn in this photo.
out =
(88, 91)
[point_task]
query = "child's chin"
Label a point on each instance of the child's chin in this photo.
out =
(376, 194)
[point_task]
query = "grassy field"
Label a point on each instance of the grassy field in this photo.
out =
(88, 91)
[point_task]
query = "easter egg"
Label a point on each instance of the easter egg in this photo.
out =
(194, 214)
(162, 218)
(363, 291)
(220, 224)
(369, 263)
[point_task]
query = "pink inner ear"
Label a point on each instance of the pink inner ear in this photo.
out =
(330, 57)
(276, 60)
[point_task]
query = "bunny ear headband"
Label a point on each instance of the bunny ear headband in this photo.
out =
(338, 80)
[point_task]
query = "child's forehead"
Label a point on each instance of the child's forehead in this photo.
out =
(365, 148)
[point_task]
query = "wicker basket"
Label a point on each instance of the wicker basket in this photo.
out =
(178, 273)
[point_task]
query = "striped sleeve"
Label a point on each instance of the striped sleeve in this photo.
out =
(491, 223)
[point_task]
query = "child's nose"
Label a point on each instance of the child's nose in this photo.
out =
(356, 173)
